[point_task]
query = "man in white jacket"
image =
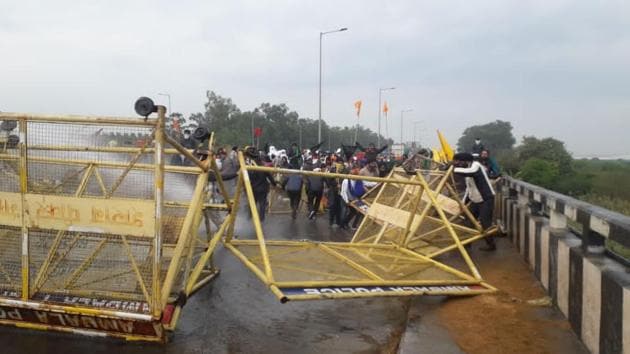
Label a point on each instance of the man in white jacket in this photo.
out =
(479, 192)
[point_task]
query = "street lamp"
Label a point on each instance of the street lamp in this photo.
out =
(169, 101)
(401, 123)
(380, 92)
(321, 35)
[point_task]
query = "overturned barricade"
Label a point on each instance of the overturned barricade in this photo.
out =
(409, 222)
(98, 231)
(105, 229)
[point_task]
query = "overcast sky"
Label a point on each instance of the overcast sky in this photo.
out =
(552, 68)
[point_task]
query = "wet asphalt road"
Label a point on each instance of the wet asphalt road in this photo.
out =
(236, 313)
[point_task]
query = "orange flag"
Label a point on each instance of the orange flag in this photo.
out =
(385, 108)
(357, 106)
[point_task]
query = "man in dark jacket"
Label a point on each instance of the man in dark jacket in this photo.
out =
(314, 193)
(260, 182)
(334, 199)
(293, 185)
(479, 192)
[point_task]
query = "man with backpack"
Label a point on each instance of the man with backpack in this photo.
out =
(293, 185)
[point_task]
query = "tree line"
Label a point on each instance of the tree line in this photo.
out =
(280, 126)
(541, 161)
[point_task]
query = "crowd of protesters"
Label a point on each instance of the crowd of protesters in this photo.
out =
(477, 172)
(339, 192)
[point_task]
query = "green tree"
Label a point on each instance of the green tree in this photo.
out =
(548, 149)
(540, 172)
(495, 136)
(280, 126)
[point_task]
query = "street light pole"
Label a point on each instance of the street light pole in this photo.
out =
(401, 123)
(321, 35)
(169, 101)
(380, 91)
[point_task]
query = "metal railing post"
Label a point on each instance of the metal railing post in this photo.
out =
(159, 202)
(23, 168)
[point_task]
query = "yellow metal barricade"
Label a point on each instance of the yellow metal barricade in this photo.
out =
(407, 224)
(90, 240)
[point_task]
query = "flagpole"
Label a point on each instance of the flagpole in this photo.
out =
(319, 114)
(386, 124)
(357, 106)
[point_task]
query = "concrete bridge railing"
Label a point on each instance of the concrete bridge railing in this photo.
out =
(564, 242)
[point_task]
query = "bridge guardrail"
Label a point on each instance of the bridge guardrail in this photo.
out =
(570, 246)
(597, 224)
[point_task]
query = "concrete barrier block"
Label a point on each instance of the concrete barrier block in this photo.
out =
(591, 303)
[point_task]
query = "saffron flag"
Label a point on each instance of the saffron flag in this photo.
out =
(357, 106)
(446, 148)
(385, 108)
(436, 155)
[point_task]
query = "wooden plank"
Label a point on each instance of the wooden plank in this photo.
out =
(447, 204)
(391, 215)
(120, 217)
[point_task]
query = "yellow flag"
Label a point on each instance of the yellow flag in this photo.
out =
(436, 155)
(385, 108)
(446, 148)
(357, 106)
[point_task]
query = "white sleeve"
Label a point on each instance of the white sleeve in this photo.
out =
(468, 170)
(344, 191)
(369, 184)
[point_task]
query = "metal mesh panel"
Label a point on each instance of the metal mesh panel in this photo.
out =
(9, 153)
(10, 261)
(89, 263)
(392, 264)
(318, 262)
